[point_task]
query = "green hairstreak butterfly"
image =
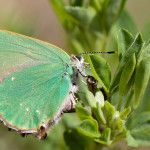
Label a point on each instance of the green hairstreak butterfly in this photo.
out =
(37, 83)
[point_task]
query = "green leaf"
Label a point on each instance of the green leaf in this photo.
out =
(86, 19)
(127, 73)
(89, 127)
(59, 7)
(70, 120)
(99, 98)
(77, 2)
(77, 141)
(146, 31)
(119, 136)
(91, 99)
(117, 123)
(127, 22)
(142, 75)
(82, 112)
(125, 40)
(96, 4)
(101, 70)
(130, 140)
(112, 12)
(140, 130)
(100, 114)
(105, 138)
(124, 114)
(129, 99)
(141, 119)
(113, 118)
(134, 48)
(110, 110)
(81, 16)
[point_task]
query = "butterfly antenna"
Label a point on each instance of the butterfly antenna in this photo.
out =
(110, 52)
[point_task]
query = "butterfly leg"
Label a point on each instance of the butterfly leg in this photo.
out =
(42, 133)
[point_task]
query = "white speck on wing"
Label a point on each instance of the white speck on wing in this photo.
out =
(29, 53)
(27, 109)
(12, 78)
(21, 104)
(37, 111)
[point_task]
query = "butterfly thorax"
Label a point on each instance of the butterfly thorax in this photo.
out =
(78, 66)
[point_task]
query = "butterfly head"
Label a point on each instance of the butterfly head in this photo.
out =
(79, 65)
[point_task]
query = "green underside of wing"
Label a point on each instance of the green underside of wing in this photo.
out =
(18, 52)
(33, 96)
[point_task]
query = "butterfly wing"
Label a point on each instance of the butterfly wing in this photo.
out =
(18, 52)
(33, 86)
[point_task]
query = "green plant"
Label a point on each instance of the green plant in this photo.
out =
(94, 25)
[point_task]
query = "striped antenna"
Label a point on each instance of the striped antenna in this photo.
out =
(110, 52)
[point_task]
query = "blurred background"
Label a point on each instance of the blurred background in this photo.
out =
(37, 19)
